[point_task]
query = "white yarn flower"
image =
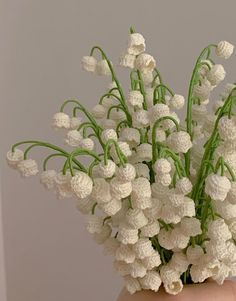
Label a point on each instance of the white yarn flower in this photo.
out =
(99, 111)
(89, 63)
(162, 166)
(164, 179)
(73, 138)
(144, 152)
(151, 281)
(142, 170)
(177, 102)
(101, 191)
(63, 185)
(150, 229)
(187, 208)
(145, 63)
(108, 134)
(171, 280)
(136, 44)
(13, 158)
(28, 167)
(169, 214)
(120, 189)
(160, 135)
(87, 143)
(102, 68)
(141, 193)
(199, 112)
(147, 80)
(174, 287)
(216, 74)
(137, 269)
(194, 253)
(102, 236)
(125, 253)
(47, 178)
(127, 235)
(179, 239)
(136, 218)
(152, 261)
(131, 136)
(94, 224)
(140, 119)
(75, 122)
(122, 268)
(227, 128)
(135, 99)
(109, 124)
(154, 211)
(85, 205)
(184, 186)
(218, 230)
(82, 185)
(224, 49)
(190, 226)
(217, 186)
(203, 91)
(179, 262)
(126, 173)
(111, 207)
(158, 111)
(107, 170)
(231, 195)
(127, 60)
(199, 273)
(132, 285)
(125, 149)
(165, 240)
(175, 199)
(61, 120)
(179, 142)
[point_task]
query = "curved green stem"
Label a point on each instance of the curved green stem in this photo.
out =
(156, 90)
(45, 162)
(119, 153)
(142, 89)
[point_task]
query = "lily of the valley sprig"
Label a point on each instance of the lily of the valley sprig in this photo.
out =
(159, 193)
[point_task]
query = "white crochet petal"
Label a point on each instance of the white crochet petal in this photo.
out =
(203, 91)
(218, 230)
(157, 111)
(168, 275)
(111, 207)
(174, 287)
(151, 281)
(85, 205)
(73, 138)
(151, 229)
(13, 158)
(154, 212)
(63, 185)
(89, 63)
(217, 186)
(164, 179)
(94, 224)
(224, 49)
(177, 102)
(191, 226)
(87, 144)
(194, 254)
(164, 239)
(28, 167)
(216, 74)
(222, 273)
(102, 236)
(144, 152)
(140, 119)
(137, 269)
(168, 215)
(82, 185)
(61, 120)
(127, 235)
(152, 261)
(136, 44)
(179, 240)
(179, 142)
(75, 122)
(122, 268)
(162, 166)
(227, 128)
(120, 189)
(136, 218)
(184, 186)
(132, 285)
(102, 68)
(143, 248)
(145, 62)
(107, 170)
(108, 134)
(131, 136)
(99, 111)
(142, 170)
(135, 99)
(127, 60)
(126, 173)
(199, 273)
(101, 191)
(179, 262)
(47, 178)
(125, 253)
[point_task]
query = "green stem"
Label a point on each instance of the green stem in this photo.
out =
(119, 153)
(45, 162)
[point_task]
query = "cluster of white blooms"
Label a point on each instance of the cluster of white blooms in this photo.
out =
(159, 196)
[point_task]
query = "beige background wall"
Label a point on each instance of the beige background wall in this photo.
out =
(49, 255)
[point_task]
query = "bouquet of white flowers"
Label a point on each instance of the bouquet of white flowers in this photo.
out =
(160, 194)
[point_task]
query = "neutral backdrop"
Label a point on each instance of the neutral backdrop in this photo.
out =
(48, 254)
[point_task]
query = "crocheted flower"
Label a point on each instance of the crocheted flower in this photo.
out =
(125, 253)
(151, 281)
(141, 193)
(127, 60)
(158, 111)
(85, 205)
(144, 152)
(190, 226)
(145, 63)
(150, 229)
(120, 189)
(87, 144)
(47, 178)
(13, 158)
(199, 112)
(216, 74)
(142, 170)
(135, 99)
(89, 63)
(94, 224)
(179, 262)
(111, 207)
(217, 186)
(108, 134)
(61, 120)
(102, 68)
(99, 111)
(194, 253)
(218, 230)
(131, 136)
(162, 166)
(224, 49)
(164, 239)
(82, 185)
(63, 185)
(227, 128)
(103, 235)
(231, 195)
(184, 186)
(132, 285)
(125, 149)
(73, 138)
(140, 119)
(179, 142)
(179, 239)
(110, 246)
(171, 280)
(177, 102)
(101, 191)
(164, 179)
(137, 269)
(107, 170)
(28, 167)
(75, 122)
(203, 91)
(122, 268)
(136, 44)
(136, 218)
(127, 235)
(152, 261)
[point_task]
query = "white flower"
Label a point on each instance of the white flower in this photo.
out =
(160, 135)
(127, 235)
(132, 285)
(177, 102)
(179, 262)
(85, 205)
(152, 261)
(151, 281)
(126, 173)
(89, 63)
(151, 229)
(199, 273)
(162, 166)
(231, 196)
(117, 115)
(63, 185)
(142, 170)
(141, 193)
(94, 224)
(140, 119)
(149, 93)
(136, 218)
(111, 207)
(99, 111)
(125, 149)
(171, 280)
(101, 191)
(174, 287)
(108, 134)
(203, 91)
(131, 136)
(179, 142)
(108, 101)
(190, 226)
(169, 215)
(179, 239)
(86, 143)
(109, 124)
(154, 210)
(147, 80)
(136, 44)
(218, 230)
(216, 249)
(159, 191)
(75, 122)
(187, 208)
(217, 186)
(168, 124)
(137, 269)
(28, 167)
(175, 199)
(164, 179)
(120, 189)
(199, 112)
(222, 273)
(122, 268)
(158, 111)
(135, 99)
(82, 185)
(110, 246)
(13, 158)
(102, 68)
(184, 186)
(61, 120)
(224, 49)
(127, 60)
(144, 152)
(73, 138)
(102, 236)
(227, 128)
(165, 240)
(225, 209)
(145, 63)
(216, 74)
(125, 253)
(194, 254)
(204, 68)
(47, 178)
(107, 170)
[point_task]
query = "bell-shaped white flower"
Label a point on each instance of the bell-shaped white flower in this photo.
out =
(127, 60)
(28, 167)
(140, 119)
(122, 268)
(102, 236)
(217, 186)
(162, 166)
(151, 229)
(63, 185)
(158, 111)
(184, 186)
(87, 143)
(125, 149)
(101, 191)
(137, 269)
(120, 189)
(151, 281)
(187, 208)
(144, 152)
(179, 262)
(147, 80)
(142, 170)
(127, 235)
(99, 111)
(190, 226)
(132, 284)
(177, 102)
(131, 136)
(169, 214)
(199, 112)
(135, 99)
(102, 68)
(227, 128)
(107, 170)
(75, 122)
(174, 287)
(136, 218)
(145, 63)
(218, 230)
(164, 179)
(203, 90)
(164, 239)
(89, 63)
(111, 207)
(82, 185)
(94, 224)
(13, 158)
(85, 205)
(73, 138)
(141, 193)
(224, 49)
(216, 74)
(194, 253)
(108, 134)
(126, 173)
(61, 120)
(179, 239)
(110, 246)
(47, 178)
(136, 44)
(171, 280)
(179, 142)
(152, 261)
(125, 253)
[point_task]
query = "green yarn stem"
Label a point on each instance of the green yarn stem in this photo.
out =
(119, 153)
